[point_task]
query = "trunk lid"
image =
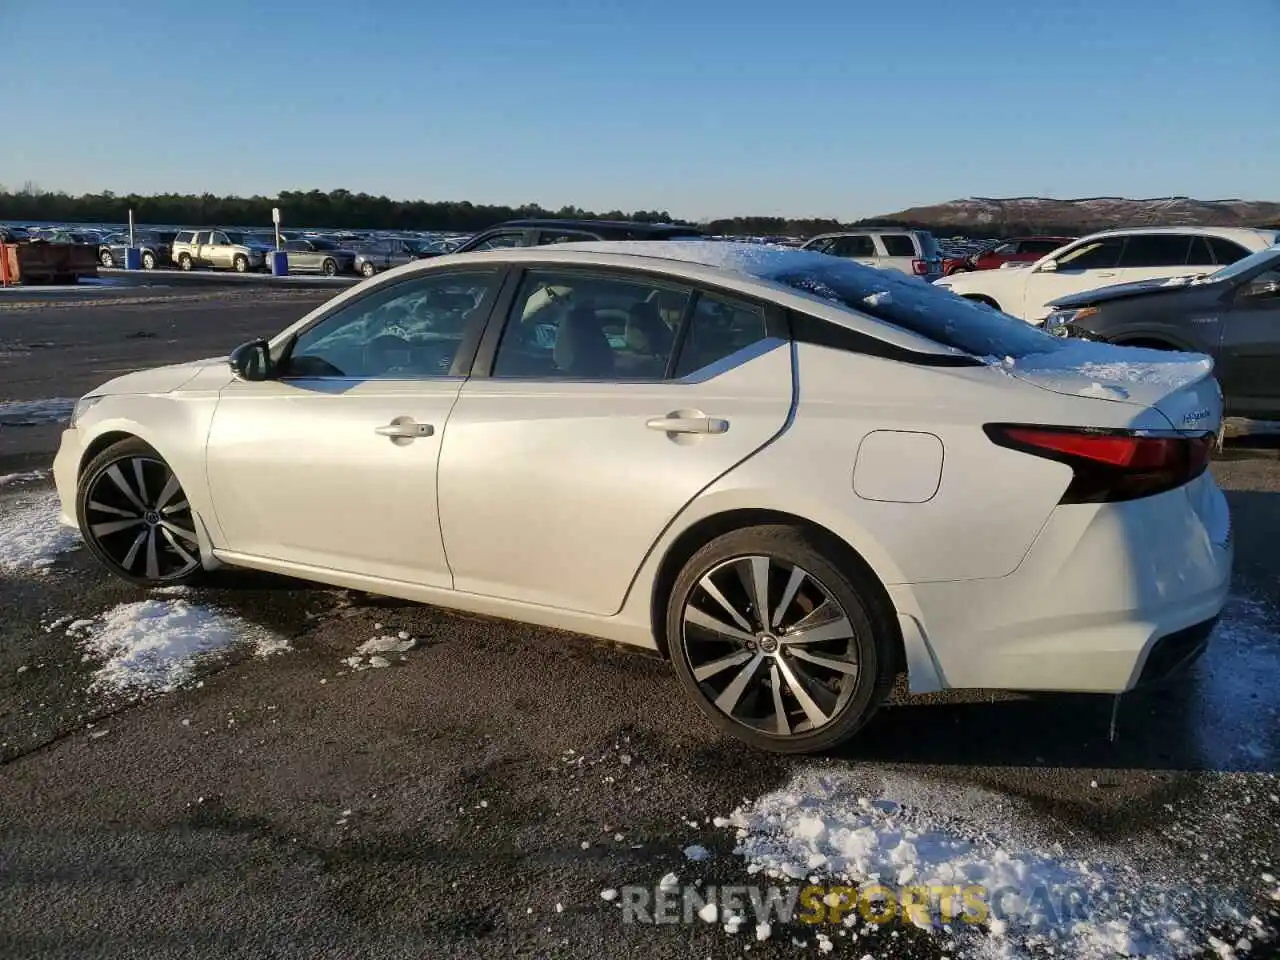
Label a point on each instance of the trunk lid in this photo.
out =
(1181, 387)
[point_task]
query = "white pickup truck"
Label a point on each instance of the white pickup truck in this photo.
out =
(220, 249)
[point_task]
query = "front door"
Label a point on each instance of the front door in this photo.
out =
(1085, 266)
(333, 464)
(613, 400)
(1249, 364)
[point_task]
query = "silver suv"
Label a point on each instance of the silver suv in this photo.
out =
(913, 252)
(225, 249)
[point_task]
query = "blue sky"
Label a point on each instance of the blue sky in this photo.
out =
(700, 107)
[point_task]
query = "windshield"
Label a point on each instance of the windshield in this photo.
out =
(1233, 270)
(922, 308)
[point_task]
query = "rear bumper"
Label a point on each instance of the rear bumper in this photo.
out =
(1109, 596)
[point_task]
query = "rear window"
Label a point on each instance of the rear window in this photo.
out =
(921, 308)
(898, 245)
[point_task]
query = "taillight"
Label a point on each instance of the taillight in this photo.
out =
(920, 267)
(1111, 465)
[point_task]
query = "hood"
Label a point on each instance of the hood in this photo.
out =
(1122, 291)
(1181, 386)
(157, 379)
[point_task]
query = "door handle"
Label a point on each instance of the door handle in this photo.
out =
(1108, 274)
(688, 424)
(405, 428)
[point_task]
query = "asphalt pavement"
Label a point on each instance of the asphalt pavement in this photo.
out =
(475, 796)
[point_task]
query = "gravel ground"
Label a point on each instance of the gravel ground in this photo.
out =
(290, 805)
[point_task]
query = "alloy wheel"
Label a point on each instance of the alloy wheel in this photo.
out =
(138, 517)
(770, 646)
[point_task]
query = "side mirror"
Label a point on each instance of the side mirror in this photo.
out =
(252, 360)
(1049, 266)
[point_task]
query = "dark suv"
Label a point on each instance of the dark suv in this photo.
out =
(1233, 315)
(532, 233)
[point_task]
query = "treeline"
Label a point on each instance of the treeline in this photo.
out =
(312, 208)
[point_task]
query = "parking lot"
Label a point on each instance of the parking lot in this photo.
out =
(468, 787)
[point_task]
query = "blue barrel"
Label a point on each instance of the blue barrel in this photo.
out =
(132, 258)
(279, 263)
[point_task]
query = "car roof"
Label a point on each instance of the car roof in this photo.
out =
(1245, 234)
(632, 226)
(858, 231)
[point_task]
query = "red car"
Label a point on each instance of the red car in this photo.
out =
(1017, 250)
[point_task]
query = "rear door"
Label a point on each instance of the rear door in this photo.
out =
(1249, 365)
(859, 247)
(1152, 256)
(604, 403)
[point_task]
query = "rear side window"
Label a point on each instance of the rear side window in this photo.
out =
(1094, 255)
(1201, 255)
(858, 245)
(718, 328)
(928, 246)
(1156, 250)
(563, 236)
(898, 244)
(1040, 247)
(1226, 251)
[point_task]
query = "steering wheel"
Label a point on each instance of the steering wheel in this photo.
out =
(386, 353)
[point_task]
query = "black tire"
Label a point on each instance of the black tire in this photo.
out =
(869, 650)
(184, 261)
(163, 550)
(148, 260)
(106, 259)
(330, 268)
(240, 263)
(367, 269)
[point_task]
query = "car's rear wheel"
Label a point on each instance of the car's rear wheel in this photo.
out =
(135, 517)
(330, 268)
(779, 645)
(241, 263)
(368, 269)
(979, 298)
(106, 259)
(148, 260)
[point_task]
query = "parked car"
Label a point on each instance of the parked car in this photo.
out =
(1101, 259)
(794, 476)
(532, 233)
(1017, 250)
(319, 256)
(224, 249)
(14, 235)
(156, 247)
(1233, 315)
(375, 255)
(914, 252)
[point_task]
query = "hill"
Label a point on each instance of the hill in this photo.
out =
(1011, 215)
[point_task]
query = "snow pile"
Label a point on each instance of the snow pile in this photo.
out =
(31, 538)
(1236, 719)
(373, 648)
(158, 645)
(31, 413)
(826, 826)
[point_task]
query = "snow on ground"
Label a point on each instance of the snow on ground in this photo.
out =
(827, 825)
(30, 413)
(155, 646)
(18, 479)
(1236, 716)
(31, 538)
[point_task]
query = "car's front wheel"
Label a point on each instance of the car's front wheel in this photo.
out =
(368, 269)
(106, 259)
(330, 268)
(135, 517)
(780, 645)
(148, 260)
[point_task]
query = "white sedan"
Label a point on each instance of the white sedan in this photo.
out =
(794, 476)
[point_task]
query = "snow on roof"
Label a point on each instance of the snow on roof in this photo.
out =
(759, 260)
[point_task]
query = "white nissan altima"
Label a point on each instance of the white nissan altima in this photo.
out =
(794, 476)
